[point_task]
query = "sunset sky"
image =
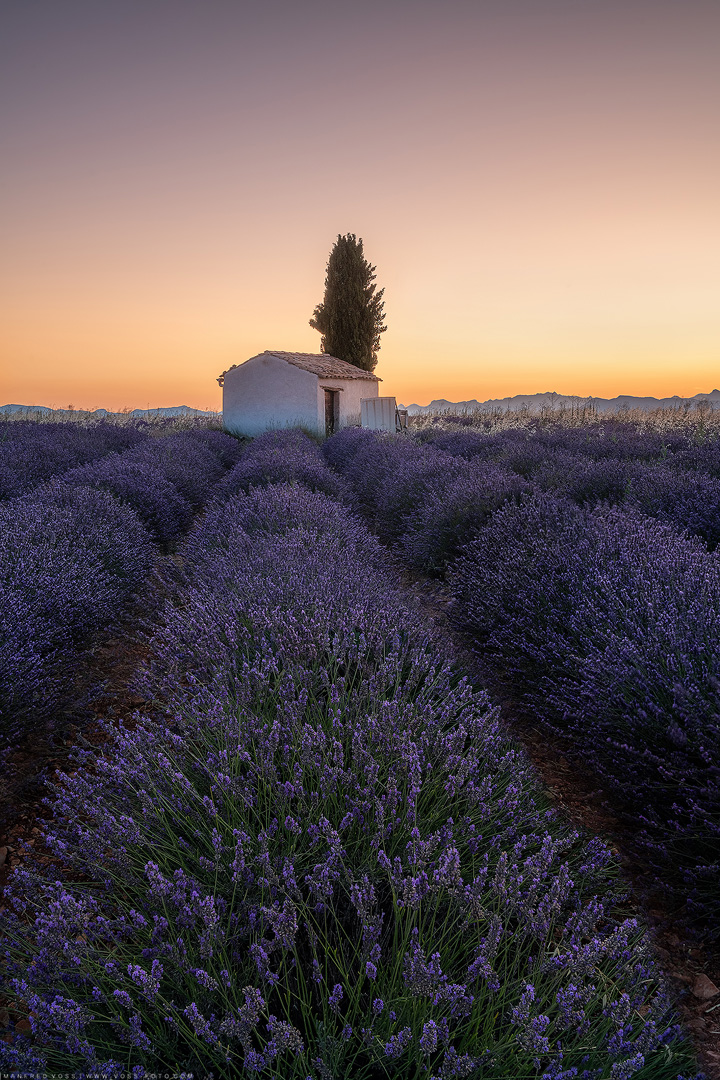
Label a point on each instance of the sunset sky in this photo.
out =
(537, 182)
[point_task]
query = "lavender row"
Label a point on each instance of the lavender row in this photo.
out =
(70, 561)
(607, 438)
(330, 861)
(74, 552)
(610, 622)
(31, 452)
(165, 480)
(289, 457)
(607, 618)
(425, 500)
(667, 475)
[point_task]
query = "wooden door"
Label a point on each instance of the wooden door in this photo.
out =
(332, 408)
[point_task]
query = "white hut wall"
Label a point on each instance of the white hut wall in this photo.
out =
(266, 393)
(352, 391)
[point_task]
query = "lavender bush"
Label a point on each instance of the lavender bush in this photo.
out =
(470, 442)
(31, 452)
(588, 481)
(449, 517)
(688, 500)
(410, 477)
(528, 456)
(390, 476)
(530, 442)
(156, 501)
(465, 444)
(433, 502)
(70, 559)
(704, 458)
(611, 438)
(73, 554)
(227, 448)
(610, 620)
(280, 457)
(365, 460)
(339, 450)
(192, 467)
(330, 861)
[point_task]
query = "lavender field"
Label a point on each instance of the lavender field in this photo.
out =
(582, 558)
(320, 853)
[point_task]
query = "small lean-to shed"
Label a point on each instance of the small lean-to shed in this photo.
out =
(286, 389)
(379, 414)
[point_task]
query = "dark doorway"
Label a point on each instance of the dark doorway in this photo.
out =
(332, 411)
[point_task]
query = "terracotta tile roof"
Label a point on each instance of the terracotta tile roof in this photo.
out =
(321, 364)
(324, 365)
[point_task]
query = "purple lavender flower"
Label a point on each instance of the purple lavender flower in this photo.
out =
(32, 452)
(137, 484)
(279, 457)
(429, 1037)
(530, 1033)
(149, 981)
(299, 682)
(396, 1046)
(608, 620)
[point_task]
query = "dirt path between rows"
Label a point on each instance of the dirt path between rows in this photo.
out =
(104, 690)
(693, 969)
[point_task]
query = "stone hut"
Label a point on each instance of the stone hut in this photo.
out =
(287, 389)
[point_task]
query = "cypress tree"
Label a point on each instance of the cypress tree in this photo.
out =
(350, 317)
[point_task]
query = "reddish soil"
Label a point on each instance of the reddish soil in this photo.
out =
(104, 690)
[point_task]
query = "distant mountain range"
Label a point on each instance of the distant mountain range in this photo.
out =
(533, 402)
(536, 402)
(101, 414)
